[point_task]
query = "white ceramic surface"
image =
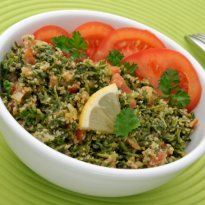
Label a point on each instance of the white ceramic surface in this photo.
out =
(73, 174)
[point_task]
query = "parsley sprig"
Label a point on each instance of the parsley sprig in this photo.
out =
(125, 122)
(169, 84)
(115, 58)
(130, 68)
(75, 46)
(179, 99)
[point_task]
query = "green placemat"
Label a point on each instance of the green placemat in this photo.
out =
(175, 18)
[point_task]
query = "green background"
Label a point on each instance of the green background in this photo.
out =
(175, 18)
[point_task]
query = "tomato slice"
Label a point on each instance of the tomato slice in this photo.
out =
(152, 63)
(46, 33)
(128, 41)
(94, 33)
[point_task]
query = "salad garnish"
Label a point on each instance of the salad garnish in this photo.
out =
(169, 84)
(75, 46)
(115, 58)
(125, 122)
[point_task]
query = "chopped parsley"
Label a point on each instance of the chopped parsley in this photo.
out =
(7, 86)
(29, 116)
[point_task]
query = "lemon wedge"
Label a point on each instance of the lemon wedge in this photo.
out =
(101, 109)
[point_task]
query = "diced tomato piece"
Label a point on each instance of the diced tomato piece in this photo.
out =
(194, 122)
(115, 69)
(157, 160)
(133, 103)
(74, 88)
(80, 135)
(29, 57)
(120, 82)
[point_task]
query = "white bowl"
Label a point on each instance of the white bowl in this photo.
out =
(71, 173)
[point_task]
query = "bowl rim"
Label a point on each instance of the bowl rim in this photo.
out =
(84, 166)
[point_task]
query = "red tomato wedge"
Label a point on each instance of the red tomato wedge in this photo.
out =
(152, 63)
(94, 33)
(128, 41)
(46, 33)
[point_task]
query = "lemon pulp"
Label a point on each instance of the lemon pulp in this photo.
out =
(101, 109)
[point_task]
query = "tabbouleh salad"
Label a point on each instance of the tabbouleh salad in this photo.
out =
(47, 93)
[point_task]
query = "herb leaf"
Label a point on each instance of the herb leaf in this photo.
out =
(62, 43)
(7, 86)
(130, 68)
(77, 42)
(125, 122)
(29, 116)
(169, 81)
(115, 57)
(169, 84)
(180, 99)
(75, 46)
